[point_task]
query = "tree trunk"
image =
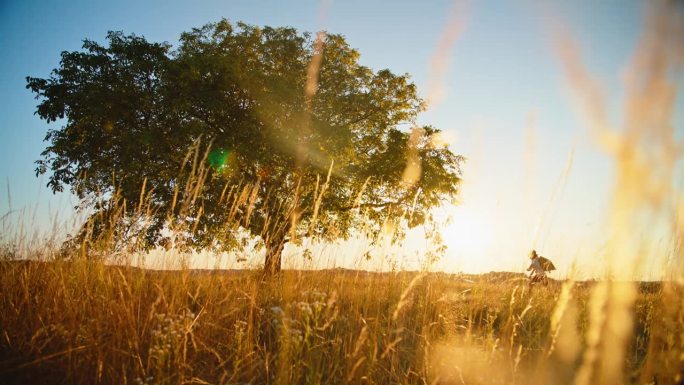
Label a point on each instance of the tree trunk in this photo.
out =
(274, 253)
(275, 238)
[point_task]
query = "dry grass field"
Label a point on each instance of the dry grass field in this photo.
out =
(77, 313)
(89, 323)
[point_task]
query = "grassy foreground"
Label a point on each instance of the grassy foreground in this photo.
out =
(87, 323)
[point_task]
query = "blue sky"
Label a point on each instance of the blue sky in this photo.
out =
(502, 72)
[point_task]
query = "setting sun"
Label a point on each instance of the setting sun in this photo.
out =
(469, 236)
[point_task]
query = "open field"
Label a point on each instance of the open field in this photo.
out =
(389, 136)
(87, 323)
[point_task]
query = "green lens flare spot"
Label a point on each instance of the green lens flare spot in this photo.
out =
(218, 159)
(222, 161)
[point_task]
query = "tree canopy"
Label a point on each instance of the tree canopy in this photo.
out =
(282, 132)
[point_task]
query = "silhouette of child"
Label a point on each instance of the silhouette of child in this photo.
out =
(537, 273)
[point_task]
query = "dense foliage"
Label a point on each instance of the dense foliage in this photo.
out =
(284, 131)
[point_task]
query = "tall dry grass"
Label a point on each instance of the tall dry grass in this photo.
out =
(85, 322)
(73, 318)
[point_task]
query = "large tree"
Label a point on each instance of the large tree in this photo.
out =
(283, 133)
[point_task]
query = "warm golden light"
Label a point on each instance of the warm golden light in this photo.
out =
(469, 236)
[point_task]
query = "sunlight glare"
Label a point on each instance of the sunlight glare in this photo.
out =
(469, 237)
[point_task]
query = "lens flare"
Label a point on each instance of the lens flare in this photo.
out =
(222, 160)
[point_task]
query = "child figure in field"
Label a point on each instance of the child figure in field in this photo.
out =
(537, 271)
